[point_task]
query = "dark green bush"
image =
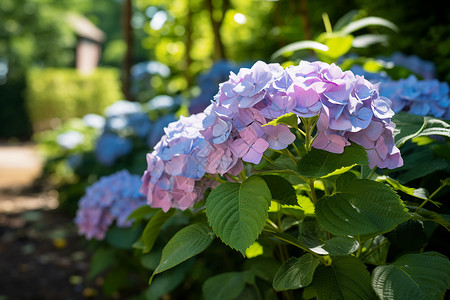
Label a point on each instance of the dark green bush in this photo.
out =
(65, 93)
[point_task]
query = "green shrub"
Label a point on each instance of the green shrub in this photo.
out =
(65, 93)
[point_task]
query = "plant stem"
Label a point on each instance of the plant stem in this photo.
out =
(301, 131)
(371, 172)
(359, 248)
(327, 23)
(268, 159)
(313, 190)
(375, 249)
(215, 178)
(286, 151)
(234, 178)
(296, 149)
(429, 198)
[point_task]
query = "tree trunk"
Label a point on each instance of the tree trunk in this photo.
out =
(219, 49)
(128, 38)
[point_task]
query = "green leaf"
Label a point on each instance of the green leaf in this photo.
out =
(409, 236)
(345, 19)
(142, 212)
(427, 215)
(376, 250)
(168, 281)
(226, 286)
(409, 126)
(295, 273)
(114, 280)
(289, 119)
(320, 163)
(281, 189)
(312, 235)
(263, 267)
(361, 207)
(302, 45)
(420, 193)
(369, 21)
(102, 259)
(185, 244)
(337, 44)
(122, 238)
(150, 260)
(254, 250)
(340, 245)
(346, 279)
(420, 163)
(367, 40)
(344, 179)
(237, 212)
(413, 276)
(153, 228)
(281, 165)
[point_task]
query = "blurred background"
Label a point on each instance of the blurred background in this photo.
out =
(87, 86)
(67, 58)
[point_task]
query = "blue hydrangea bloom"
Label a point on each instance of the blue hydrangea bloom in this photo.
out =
(158, 129)
(208, 83)
(110, 147)
(419, 97)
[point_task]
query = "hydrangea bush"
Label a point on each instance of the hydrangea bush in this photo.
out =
(290, 167)
(236, 127)
(110, 200)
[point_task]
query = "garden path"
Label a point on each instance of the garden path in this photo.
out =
(41, 254)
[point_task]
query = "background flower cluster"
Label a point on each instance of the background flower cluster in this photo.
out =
(111, 199)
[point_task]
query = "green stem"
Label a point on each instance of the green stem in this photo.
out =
(326, 261)
(275, 226)
(359, 248)
(242, 175)
(313, 190)
(429, 198)
(268, 159)
(286, 151)
(296, 150)
(374, 249)
(258, 293)
(234, 178)
(371, 172)
(327, 23)
(301, 131)
(215, 178)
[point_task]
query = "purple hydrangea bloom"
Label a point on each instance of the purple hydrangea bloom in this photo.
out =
(230, 130)
(111, 199)
(176, 165)
(346, 103)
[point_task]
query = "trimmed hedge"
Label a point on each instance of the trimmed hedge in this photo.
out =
(65, 93)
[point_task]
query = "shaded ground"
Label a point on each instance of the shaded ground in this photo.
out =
(41, 255)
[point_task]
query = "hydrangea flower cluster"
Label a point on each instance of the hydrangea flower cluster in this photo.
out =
(110, 147)
(230, 130)
(128, 121)
(112, 198)
(422, 67)
(176, 166)
(419, 97)
(349, 106)
(209, 84)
